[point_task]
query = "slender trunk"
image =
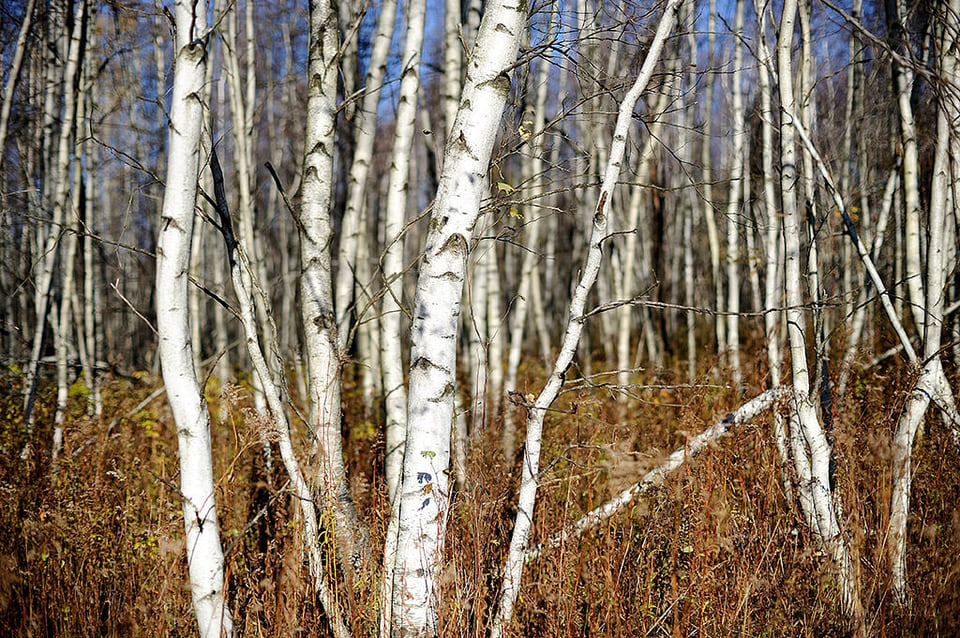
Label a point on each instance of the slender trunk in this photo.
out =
(92, 294)
(529, 273)
(495, 336)
(689, 214)
(352, 233)
(65, 318)
(316, 294)
(204, 554)
(734, 210)
(452, 65)
(811, 450)
(860, 314)
(412, 556)
(513, 568)
(772, 288)
(395, 395)
(903, 87)
(706, 163)
(476, 325)
(275, 409)
(637, 224)
(59, 174)
(13, 74)
(927, 384)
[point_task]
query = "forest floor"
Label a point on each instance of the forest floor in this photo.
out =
(97, 549)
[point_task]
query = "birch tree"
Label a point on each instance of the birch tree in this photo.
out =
(513, 569)
(412, 555)
(365, 130)
(395, 395)
(58, 183)
(204, 554)
(316, 288)
(733, 202)
(947, 27)
(809, 446)
(13, 73)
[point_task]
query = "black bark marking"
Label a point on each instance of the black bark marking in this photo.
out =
(457, 244)
(599, 219)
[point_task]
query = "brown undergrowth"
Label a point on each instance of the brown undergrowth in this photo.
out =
(97, 549)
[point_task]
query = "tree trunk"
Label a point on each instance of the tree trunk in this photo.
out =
(316, 294)
(204, 554)
(392, 266)
(352, 231)
(734, 210)
(412, 556)
(13, 74)
(59, 181)
(811, 450)
(513, 568)
(928, 384)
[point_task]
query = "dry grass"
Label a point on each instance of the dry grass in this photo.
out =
(98, 548)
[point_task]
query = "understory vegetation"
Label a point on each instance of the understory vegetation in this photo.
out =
(97, 548)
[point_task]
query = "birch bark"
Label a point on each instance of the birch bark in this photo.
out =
(706, 163)
(13, 74)
(412, 556)
(365, 129)
(240, 274)
(391, 361)
(204, 554)
(929, 381)
(811, 451)
(903, 87)
(734, 211)
(520, 305)
(60, 184)
(316, 294)
(513, 569)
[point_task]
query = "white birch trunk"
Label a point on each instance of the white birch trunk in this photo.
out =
(240, 274)
(92, 307)
(395, 395)
(60, 183)
(513, 569)
(495, 337)
(352, 230)
(316, 294)
(706, 163)
(475, 297)
(65, 318)
(689, 118)
(636, 226)
(811, 451)
(204, 554)
(943, 396)
(452, 65)
(734, 211)
(412, 556)
(859, 321)
(903, 86)
(529, 273)
(947, 24)
(13, 74)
